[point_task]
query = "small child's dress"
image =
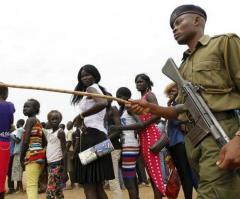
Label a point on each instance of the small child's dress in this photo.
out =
(55, 165)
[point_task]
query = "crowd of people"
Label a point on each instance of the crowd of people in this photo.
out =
(49, 155)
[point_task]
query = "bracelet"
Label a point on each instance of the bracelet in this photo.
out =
(81, 116)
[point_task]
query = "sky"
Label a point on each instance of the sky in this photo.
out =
(44, 43)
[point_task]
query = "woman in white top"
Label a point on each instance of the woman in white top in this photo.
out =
(91, 121)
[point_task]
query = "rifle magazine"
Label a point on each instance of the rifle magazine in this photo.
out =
(196, 135)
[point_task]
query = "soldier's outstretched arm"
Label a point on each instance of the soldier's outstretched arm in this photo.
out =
(142, 107)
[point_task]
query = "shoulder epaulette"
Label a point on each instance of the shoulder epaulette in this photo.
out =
(230, 35)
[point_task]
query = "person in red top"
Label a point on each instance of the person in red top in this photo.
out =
(149, 135)
(6, 120)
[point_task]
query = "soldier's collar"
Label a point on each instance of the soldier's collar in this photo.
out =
(203, 41)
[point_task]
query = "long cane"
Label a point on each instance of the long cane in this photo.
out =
(64, 91)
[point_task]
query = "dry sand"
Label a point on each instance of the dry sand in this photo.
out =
(77, 192)
(145, 193)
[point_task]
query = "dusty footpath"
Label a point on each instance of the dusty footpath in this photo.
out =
(145, 193)
(77, 192)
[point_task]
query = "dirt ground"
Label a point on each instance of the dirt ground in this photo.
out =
(145, 193)
(77, 192)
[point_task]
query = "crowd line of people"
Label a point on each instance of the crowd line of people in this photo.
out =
(49, 155)
(45, 149)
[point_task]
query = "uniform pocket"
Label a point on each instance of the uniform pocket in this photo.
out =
(212, 76)
(224, 193)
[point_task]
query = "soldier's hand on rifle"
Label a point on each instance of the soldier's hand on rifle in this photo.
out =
(230, 154)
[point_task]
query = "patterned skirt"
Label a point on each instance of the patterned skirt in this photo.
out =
(55, 180)
(16, 168)
(129, 159)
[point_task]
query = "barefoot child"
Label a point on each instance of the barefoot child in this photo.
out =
(33, 153)
(130, 122)
(130, 146)
(56, 156)
(69, 147)
(16, 165)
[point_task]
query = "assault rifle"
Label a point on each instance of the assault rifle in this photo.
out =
(204, 121)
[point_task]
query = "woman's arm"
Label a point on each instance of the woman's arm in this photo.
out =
(152, 99)
(153, 119)
(26, 139)
(15, 138)
(61, 137)
(113, 134)
(76, 142)
(99, 105)
(136, 126)
(69, 140)
(116, 116)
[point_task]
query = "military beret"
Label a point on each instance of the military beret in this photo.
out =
(184, 9)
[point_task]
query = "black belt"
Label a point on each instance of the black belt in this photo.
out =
(223, 115)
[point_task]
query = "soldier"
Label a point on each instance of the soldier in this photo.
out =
(213, 63)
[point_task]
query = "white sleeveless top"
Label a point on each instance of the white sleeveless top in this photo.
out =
(54, 150)
(97, 120)
(128, 136)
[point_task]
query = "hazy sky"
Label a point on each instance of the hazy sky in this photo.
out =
(44, 43)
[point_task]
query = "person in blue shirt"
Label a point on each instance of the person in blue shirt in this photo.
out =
(16, 172)
(177, 146)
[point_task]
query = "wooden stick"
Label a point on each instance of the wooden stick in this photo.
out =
(65, 91)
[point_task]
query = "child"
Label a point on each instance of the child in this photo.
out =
(6, 120)
(16, 166)
(130, 146)
(112, 117)
(33, 152)
(69, 146)
(10, 182)
(56, 156)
